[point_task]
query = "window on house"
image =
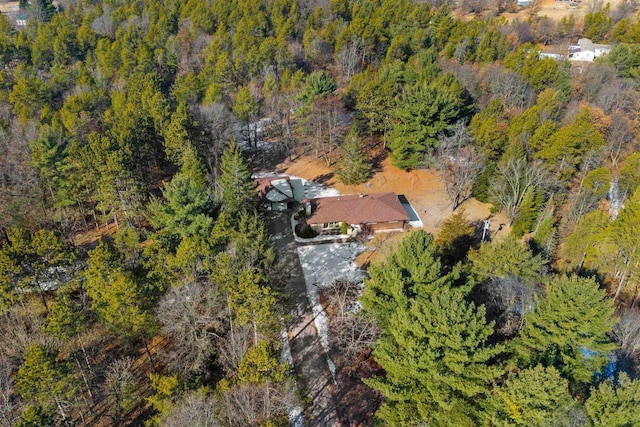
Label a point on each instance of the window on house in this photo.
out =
(331, 225)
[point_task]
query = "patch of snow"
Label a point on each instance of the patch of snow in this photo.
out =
(295, 417)
(314, 190)
(322, 265)
(299, 188)
(616, 200)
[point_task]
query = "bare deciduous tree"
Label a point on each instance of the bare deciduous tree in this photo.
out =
(618, 94)
(218, 125)
(192, 316)
(512, 180)
(351, 57)
(8, 405)
(247, 405)
(326, 123)
(120, 384)
(352, 331)
(232, 348)
(509, 299)
(459, 163)
(194, 410)
(280, 107)
(626, 333)
(625, 9)
(620, 137)
(509, 86)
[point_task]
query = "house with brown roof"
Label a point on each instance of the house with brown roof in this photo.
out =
(377, 212)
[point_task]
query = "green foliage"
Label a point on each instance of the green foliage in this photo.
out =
(564, 149)
(488, 127)
(246, 106)
(65, 319)
(614, 403)
(504, 259)
(354, 167)
(185, 211)
(596, 25)
(167, 392)
(116, 296)
(319, 83)
(377, 94)
(455, 238)
(43, 378)
(629, 175)
(623, 244)
(581, 247)
(532, 397)
(568, 330)
(176, 136)
(530, 210)
(37, 416)
(236, 189)
(411, 270)
(436, 360)
(260, 364)
(344, 228)
(545, 238)
(626, 59)
(426, 110)
(481, 189)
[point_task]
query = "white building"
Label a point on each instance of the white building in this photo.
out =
(587, 51)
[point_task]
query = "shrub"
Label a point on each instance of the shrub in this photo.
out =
(305, 231)
(344, 228)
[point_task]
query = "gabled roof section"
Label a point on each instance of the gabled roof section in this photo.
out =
(357, 209)
(274, 188)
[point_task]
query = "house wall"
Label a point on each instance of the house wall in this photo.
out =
(379, 226)
(387, 225)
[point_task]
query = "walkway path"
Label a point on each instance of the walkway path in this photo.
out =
(310, 363)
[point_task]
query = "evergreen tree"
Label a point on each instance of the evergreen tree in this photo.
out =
(184, 211)
(246, 109)
(436, 361)
(455, 238)
(426, 110)
(532, 397)
(615, 403)
(354, 167)
(45, 380)
(568, 330)
(412, 269)
(504, 259)
(236, 189)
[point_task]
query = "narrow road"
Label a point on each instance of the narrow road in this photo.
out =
(309, 359)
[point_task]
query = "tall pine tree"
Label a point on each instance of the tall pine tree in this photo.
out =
(568, 330)
(236, 189)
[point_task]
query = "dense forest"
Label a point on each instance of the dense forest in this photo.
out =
(139, 284)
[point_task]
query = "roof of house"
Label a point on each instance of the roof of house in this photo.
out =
(275, 188)
(357, 209)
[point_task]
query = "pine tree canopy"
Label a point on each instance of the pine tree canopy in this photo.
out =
(568, 329)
